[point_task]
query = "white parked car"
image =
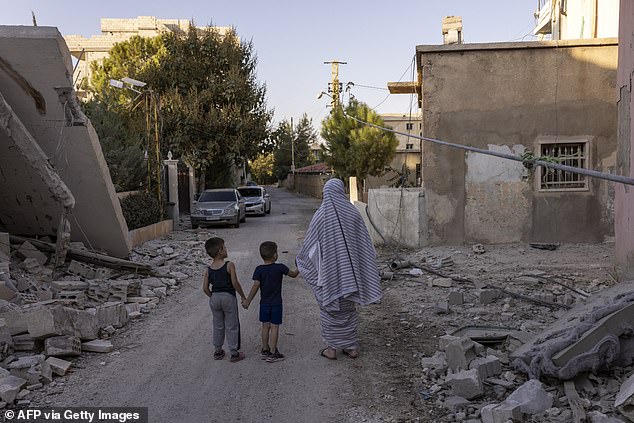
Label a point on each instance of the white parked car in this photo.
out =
(257, 200)
(224, 205)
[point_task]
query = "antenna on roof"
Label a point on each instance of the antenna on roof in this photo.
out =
(34, 20)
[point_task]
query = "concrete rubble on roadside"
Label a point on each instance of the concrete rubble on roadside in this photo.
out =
(579, 368)
(49, 319)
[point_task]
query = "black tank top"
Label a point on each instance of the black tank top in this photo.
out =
(220, 280)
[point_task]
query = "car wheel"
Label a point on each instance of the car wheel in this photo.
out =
(236, 224)
(269, 210)
(244, 218)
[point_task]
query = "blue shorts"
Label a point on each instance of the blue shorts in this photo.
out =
(271, 314)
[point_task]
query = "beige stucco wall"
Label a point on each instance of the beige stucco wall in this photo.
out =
(508, 97)
(624, 223)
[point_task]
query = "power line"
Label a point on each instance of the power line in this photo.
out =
(527, 162)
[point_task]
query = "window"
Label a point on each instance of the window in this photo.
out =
(570, 154)
(409, 146)
(409, 126)
(418, 175)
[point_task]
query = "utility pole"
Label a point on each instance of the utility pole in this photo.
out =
(334, 88)
(292, 149)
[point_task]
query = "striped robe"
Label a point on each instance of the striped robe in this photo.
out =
(338, 261)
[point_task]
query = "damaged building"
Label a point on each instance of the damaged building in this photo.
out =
(54, 179)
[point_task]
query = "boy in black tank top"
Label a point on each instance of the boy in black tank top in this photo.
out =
(220, 284)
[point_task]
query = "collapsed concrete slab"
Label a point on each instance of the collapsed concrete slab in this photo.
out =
(587, 338)
(36, 82)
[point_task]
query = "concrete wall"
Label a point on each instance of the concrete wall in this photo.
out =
(509, 97)
(35, 80)
(306, 183)
(147, 233)
(625, 154)
(396, 216)
(401, 159)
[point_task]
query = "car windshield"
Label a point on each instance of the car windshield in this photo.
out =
(209, 196)
(250, 192)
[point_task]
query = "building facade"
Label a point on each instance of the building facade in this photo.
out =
(577, 19)
(625, 155)
(553, 98)
(407, 160)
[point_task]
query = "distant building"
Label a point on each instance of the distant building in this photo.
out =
(579, 19)
(407, 160)
(97, 47)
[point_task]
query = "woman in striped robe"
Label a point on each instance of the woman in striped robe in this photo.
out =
(338, 261)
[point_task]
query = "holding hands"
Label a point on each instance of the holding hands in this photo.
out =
(245, 303)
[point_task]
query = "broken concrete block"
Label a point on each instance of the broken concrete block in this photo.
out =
(152, 283)
(118, 291)
(14, 319)
(160, 292)
(442, 282)
(23, 343)
(487, 366)
(624, 401)
(28, 250)
(455, 298)
(456, 403)
(599, 417)
(465, 383)
(133, 308)
(98, 345)
(44, 322)
(10, 386)
(436, 362)
(112, 314)
(81, 269)
(32, 266)
(46, 372)
(178, 275)
(98, 290)
(7, 292)
(60, 346)
(487, 296)
(460, 353)
(58, 366)
(501, 413)
(69, 285)
(78, 296)
(445, 340)
(442, 307)
(139, 300)
(84, 324)
(532, 397)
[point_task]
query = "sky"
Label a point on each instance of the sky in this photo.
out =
(293, 39)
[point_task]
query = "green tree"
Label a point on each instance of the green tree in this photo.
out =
(213, 109)
(288, 138)
(262, 168)
(355, 149)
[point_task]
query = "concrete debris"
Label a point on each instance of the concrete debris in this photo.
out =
(486, 366)
(28, 250)
(599, 417)
(60, 346)
(478, 249)
(459, 353)
(531, 397)
(98, 345)
(82, 269)
(456, 298)
(465, 383)
(441, 282)
(624, 401)
(10, 386)
(58, 366)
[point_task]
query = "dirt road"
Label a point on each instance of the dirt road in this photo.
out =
(165, 361)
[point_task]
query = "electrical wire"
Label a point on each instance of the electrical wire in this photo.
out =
(411, 65)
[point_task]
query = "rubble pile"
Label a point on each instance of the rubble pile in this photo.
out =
(50, 316)
(522, 345)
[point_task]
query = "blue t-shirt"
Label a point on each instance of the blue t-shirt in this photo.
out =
(270, 277)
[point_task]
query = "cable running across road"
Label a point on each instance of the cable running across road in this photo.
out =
(527, 162)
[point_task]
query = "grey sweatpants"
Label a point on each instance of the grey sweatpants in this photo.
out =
(224, 310)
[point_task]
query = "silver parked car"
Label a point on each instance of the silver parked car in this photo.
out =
(258, 201)
(224, 205)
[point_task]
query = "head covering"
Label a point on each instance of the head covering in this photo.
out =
(337, 258)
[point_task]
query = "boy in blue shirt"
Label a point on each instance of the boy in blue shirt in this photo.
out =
(267, 278)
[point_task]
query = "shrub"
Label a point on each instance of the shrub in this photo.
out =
(140, 210)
